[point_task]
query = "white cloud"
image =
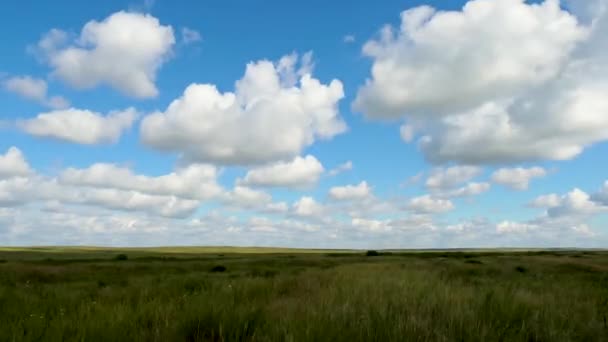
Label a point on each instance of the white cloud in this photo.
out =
(13, 164)
(498, 82)
(439, 61)
(192, 182)
(447, 178)
(246, 197)
(190, 36)
(124, 51)
(351, 192)
(34, 89)
(308, 207)
(507, 227)
(428, 204)
(298, 173)
(575, 203)
(371, 225)
(471, 189)
(35, 188)
(80, 126)
(349, 38)
(517, 178)
(546, 201)
(346, 166)
(275, 112)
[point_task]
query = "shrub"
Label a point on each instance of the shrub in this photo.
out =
(121, 257)
(372, 253)
(473, 261)
(521, 269)
(218, 268)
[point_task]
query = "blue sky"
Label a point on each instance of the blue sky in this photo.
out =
(409, 124)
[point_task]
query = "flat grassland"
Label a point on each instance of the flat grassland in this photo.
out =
(256, 294)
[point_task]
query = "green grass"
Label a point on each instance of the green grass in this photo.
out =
(194, 294)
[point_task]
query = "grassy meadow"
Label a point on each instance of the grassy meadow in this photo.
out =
(228, 294)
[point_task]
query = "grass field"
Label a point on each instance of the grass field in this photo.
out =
(230, 294)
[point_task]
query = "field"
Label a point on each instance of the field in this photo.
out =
(228, 294)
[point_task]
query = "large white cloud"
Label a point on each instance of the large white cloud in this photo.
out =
(517, 178)
(275, 112)
(13, 164)
(440, 61)
(575, 203)
(80, 126)
(298, 173)
(497, 82)
(124, 51)
(193, 181)
(34, 89)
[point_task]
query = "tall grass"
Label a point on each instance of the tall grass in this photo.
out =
(437, 297)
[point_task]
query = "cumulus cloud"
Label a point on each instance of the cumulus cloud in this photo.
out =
(546, 201)
(275, 112)
(192, 182)
(450, 177)
(124, 51)
(575, 205)
(80, 126)
(298, 173)
(517, 178)
(438, 61)
(428, 204)
(351, 192)
(34, 89)
(245, 197)
(13, 164)
(498, 81)
(308, 207)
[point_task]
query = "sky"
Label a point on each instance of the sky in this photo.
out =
(400, 124)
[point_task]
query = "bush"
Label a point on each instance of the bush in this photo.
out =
(121, 257)
(218, 268)
(521, 269)
(372, 253)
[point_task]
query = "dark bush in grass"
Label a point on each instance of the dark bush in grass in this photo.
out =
(121, 257)
(218, 268)
(521, 269)
(372, 253)
(473, 261)
(2, 261)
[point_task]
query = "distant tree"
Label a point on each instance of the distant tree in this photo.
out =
(121, 257)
